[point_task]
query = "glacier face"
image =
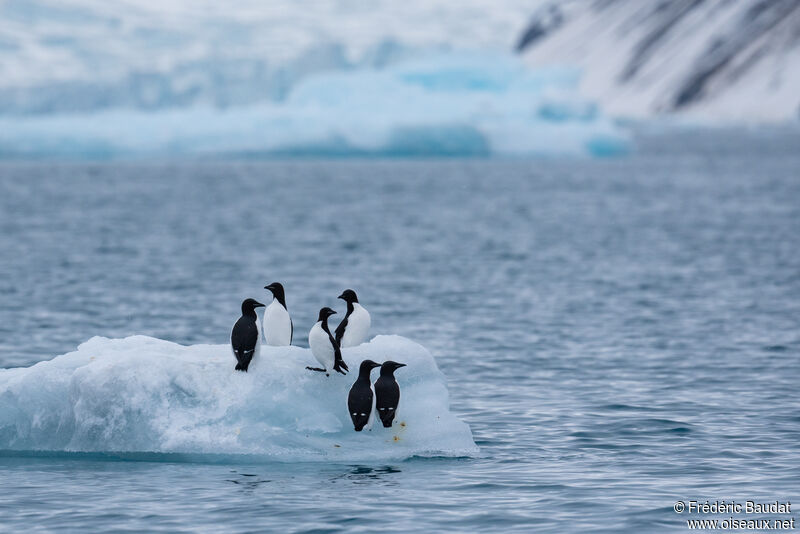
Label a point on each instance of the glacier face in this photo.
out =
(449, 104)
(146, 395)
(79, 55)
(85, 78)
(709, 60)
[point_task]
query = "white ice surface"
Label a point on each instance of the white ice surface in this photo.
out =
(142, 394)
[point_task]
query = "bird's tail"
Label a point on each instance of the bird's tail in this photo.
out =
(387, 418)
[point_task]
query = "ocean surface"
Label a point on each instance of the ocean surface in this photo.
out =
(619, 334)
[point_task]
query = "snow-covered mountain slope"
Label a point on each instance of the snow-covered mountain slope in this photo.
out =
(715, 60)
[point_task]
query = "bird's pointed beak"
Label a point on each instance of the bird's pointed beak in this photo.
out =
(399, 365)
(259, 305)
(341, 296)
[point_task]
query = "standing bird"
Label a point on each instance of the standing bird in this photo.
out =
(387, 392)
(324, 348)
(245, 337)
(354, 327)
(361, 399)
(277, 325)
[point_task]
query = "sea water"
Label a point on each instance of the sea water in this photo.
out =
(619, 335)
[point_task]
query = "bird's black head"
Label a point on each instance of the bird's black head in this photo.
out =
(249, 306)
(388, 368)
(366, 367)
(277, 291)
(349, 296)
(324, 313)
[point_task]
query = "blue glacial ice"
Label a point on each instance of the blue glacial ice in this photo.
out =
(453, 104)
(145, 395)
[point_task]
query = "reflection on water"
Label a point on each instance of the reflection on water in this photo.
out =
(358, 474)
(363, 473)
(247, 481)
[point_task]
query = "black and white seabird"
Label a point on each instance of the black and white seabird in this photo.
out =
(277, 324)
(361, 399)
(245, 337)
(387, 393)
(354, 327)
(324, 347)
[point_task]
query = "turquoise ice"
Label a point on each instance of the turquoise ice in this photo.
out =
(453, 104)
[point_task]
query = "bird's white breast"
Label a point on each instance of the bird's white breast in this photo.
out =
(258, 341)
(277, 325)
(357, 326)
(321, 346)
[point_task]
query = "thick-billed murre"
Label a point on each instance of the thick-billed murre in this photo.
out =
(387, 393)
(277, 324)
(354, 327)
(361, 399)
(245, 337)
(324, 347)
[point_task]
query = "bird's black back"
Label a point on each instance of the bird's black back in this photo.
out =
(338, 362)
(244, 337)
(339, 333)
(359, 404)
(387, 397)
(340, 329)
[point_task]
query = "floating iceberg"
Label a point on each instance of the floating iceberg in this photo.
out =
(455, 104)
(145, 395)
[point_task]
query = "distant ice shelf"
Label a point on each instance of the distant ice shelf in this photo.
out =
(451, 104)
(153, 397)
